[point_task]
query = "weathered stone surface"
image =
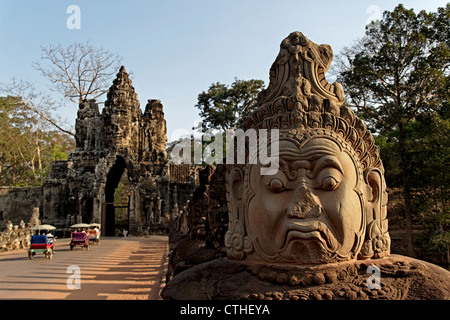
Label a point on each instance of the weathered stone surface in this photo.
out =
(312, 227)
(186, 253)
(15, 237)
(122, 117)
(217, 212)
(198, 205)
(326, 202)
(401, 278)
(153, 133)
(119, 138)
(17, 203)
(197, 232)
(89, 128)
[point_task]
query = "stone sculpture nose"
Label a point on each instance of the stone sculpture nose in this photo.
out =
(303, 205)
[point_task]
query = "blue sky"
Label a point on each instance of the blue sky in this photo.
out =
(175, 48)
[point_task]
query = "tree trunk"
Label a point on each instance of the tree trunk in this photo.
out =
(406, 192)
(41, 170)
(448, 255)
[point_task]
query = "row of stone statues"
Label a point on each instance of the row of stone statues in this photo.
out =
(15, 237)
(315, 227)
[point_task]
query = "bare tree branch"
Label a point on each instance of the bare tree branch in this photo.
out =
(78, 71)
(33, 101)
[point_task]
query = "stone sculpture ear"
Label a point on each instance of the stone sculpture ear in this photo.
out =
(377, 241)
(236, 181)
(374, 179)
(237, 242)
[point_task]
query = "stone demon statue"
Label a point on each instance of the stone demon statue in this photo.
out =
(316, 227)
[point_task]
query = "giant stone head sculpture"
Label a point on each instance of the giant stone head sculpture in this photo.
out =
(326, 202)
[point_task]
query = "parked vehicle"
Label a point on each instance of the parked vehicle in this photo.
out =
(79, 239)
(41, 243)
(94, 235)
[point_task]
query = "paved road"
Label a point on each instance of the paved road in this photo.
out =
(130, 268)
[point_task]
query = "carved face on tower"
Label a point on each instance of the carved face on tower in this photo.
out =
(326, 202)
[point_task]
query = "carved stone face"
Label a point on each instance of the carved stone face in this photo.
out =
(328, 201)
(311, 210)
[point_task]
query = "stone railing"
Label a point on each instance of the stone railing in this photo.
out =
(17, 238)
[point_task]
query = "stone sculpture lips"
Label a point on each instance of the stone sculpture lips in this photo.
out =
(311, 229)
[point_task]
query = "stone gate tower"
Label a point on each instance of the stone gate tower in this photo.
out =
(120, 138)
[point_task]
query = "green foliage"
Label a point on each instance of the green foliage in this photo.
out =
(397, 79)
(121, 198)
(224, 107)
(428, 145)
(122, 192)
(430, 153)
(27, 145)
(436, 239)
(398, 70)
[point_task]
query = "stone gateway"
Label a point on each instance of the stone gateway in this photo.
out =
(121, 141)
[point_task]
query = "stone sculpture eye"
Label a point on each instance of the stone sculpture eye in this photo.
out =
(275, 185)
(329, 183)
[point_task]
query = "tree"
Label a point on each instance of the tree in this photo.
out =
(27, 145)
(429, 155)
(396, 73)
(37, 102)
(78, 71)
(224, 107)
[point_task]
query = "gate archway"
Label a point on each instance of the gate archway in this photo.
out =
(109, 207)
(109, 212)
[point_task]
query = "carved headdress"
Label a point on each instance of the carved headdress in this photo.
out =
(302, 103)
(299, 96)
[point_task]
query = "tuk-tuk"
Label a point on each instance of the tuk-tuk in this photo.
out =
(79, 239)
(44, 242)
(41, 243)
(94, 233)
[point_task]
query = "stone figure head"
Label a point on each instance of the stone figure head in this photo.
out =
(326, 202)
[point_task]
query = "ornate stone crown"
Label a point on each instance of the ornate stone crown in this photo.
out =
(299, 97)
(302, 103)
